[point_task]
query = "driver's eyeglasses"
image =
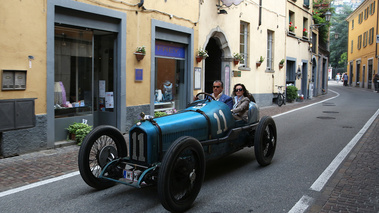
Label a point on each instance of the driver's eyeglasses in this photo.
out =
(216, 86)
(239, 89)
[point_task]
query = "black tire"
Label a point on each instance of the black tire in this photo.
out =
(100, 146)
(181, 174)
(265, 141)
(280, 100)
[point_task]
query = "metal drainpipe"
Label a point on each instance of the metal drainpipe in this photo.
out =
(260, 13)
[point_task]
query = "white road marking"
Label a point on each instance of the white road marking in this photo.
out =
(40, 183)
(307, 105)
(301, 205)
(324, 177)
(319, 184)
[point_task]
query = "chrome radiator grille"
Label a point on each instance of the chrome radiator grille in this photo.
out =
(138, 146)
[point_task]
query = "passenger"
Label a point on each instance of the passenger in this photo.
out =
(218, 94)
(241, 102)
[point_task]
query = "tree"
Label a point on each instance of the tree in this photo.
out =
(338, 47)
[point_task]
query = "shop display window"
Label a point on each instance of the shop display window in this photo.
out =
(73, 72)
(169, 79)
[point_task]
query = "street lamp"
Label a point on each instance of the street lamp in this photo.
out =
(328, 14)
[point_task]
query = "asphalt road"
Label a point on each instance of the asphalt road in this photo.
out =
(308, 141)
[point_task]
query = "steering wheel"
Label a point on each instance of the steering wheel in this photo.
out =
(206, 95)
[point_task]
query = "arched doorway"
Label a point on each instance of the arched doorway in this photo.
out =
(212, 64)
(217, 66)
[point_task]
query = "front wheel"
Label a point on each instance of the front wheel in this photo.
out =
(102, 145)
(265, 141)
(181, 174)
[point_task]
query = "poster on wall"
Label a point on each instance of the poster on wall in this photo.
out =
(109, 103)
(227, 79)
(102, 88)
(197, 77)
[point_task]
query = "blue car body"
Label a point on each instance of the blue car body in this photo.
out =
(207, 121)
(171, 151)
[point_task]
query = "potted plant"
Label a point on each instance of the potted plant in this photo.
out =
(291, 93)
(237, 57)
(140, 53)
(305, 32)
(281, 64)
(78, 131)
(261, 59)
(292, 27)
(201, 54)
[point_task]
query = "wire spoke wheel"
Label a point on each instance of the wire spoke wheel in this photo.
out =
(99, 147)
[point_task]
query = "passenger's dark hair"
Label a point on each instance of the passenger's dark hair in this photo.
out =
(245, 91)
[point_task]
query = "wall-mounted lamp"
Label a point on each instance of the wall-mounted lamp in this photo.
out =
(222, 11)
(310, 47)
(219, 9)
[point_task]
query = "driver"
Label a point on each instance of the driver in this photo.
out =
(218, 87)
(218, 95)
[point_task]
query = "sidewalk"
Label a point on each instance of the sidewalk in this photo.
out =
(354, 188)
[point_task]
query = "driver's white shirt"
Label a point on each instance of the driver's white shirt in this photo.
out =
(218, 97)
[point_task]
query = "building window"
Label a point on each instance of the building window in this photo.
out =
(371, 36)
(306, 3)
(352, 24)
(365, 39)
(291, 25)
(373, 8)
(360, 18)
(305, 27)
(359, 44)
(244, 35)
(366, 13)
(352, 46)
(270, 45)
(84, 71)
(73, 72)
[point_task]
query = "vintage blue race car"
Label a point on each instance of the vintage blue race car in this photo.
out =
(170, 152)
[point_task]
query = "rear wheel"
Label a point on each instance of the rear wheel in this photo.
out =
(181, 174)
(99, 147)
(280, 100)
(265, 141)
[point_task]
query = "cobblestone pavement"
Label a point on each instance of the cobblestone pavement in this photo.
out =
(354, 188)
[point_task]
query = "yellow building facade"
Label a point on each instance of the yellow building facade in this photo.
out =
(363, 47)
(255, 29)
(76, 61)
(103, 62)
